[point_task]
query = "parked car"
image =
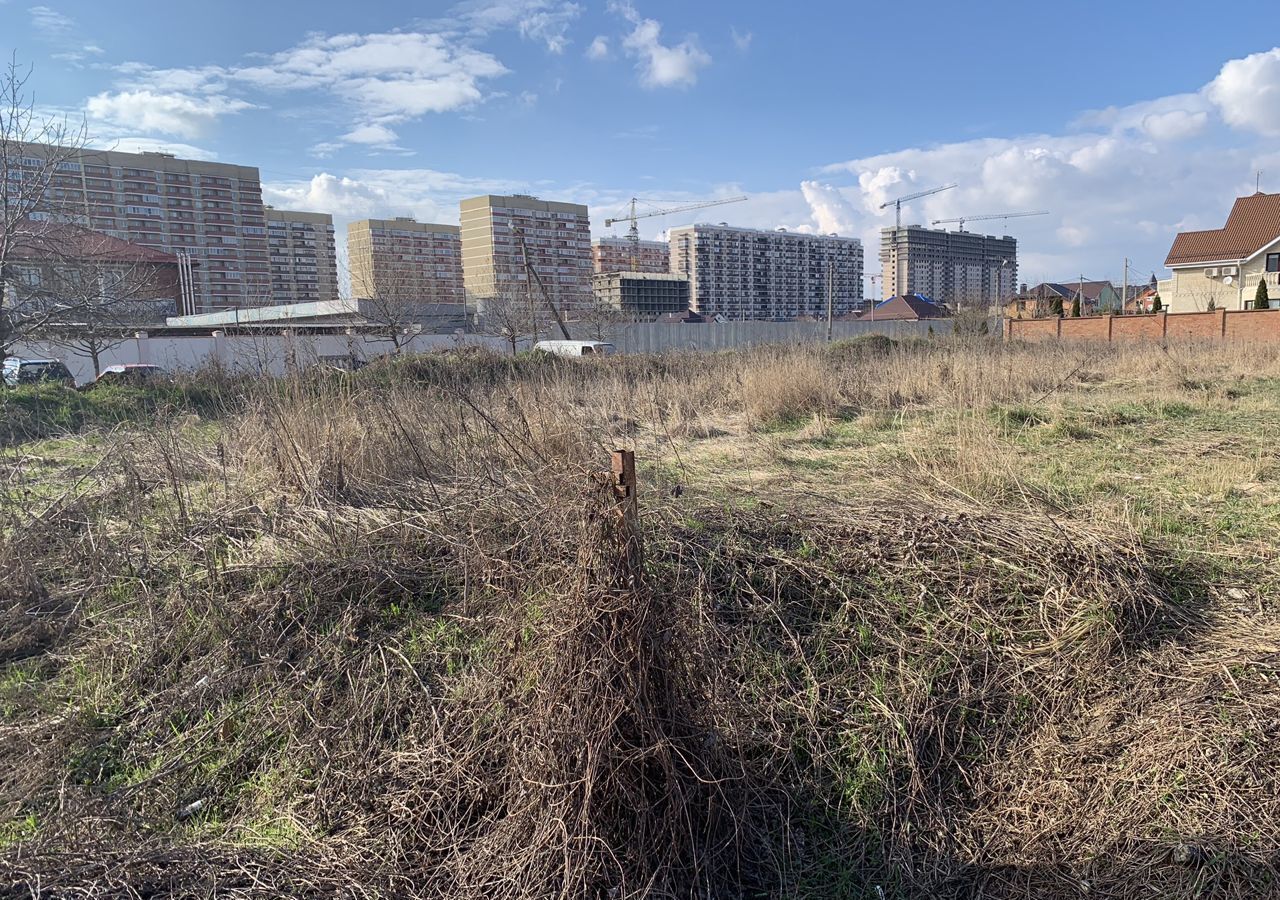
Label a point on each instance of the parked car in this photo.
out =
(132, 373)
(576, 348)
(32, 371)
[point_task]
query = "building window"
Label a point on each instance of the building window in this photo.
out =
(1273, 262)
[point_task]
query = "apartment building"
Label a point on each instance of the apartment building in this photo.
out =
(304, 266)
(556, 237)
(642, 295)
(746, 273)
(615, 255)
(956, 268)
(405, 260)
(210, 213)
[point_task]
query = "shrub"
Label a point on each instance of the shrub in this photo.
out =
(1261, 300)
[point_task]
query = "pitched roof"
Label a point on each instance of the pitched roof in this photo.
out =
(1093, 290)
(74, 243)
(907, 306)
(1254, 222)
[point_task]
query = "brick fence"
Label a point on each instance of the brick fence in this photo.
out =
(1218, 325)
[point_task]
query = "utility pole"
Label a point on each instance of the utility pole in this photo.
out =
(1124, 291)
(831, 305)
(1082, 293)
(531, 275)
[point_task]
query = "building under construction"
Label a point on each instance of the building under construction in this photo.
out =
(956, 268)
(642, 295)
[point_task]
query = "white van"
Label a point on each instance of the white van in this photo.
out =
(576, 348)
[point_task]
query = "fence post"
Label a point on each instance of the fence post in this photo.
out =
(1164, 325)
(1110, 319)
(624, 492)
(1059, 328)
(1222, 323)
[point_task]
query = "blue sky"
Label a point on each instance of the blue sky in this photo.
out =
(819, 111)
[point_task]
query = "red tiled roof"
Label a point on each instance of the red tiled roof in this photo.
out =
(909, 307)
(1254, 222)
(71, 242)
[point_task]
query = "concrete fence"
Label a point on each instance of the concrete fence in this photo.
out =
(1217, 325)
(276, 353)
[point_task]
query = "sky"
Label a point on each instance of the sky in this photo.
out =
(1125, 122)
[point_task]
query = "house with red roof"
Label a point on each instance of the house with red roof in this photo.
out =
(1221, 267)
(908, 308)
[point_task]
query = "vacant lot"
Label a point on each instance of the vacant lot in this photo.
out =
(928, 619)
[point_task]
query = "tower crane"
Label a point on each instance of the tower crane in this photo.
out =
(962, 219)
(633, 233)
(897, 204)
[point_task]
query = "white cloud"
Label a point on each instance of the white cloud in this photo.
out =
(427, 194)
(372, 134)
(547, 21)
(383, 78)
(1247, 92)
(741, 39)
(831, 209)
(659, 64)
(1175, 125)
(184, 115)
(599, 48)
(398, 73)
(50, 21)
(134, 144)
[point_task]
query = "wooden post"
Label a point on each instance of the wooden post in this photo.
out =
(624, 475)
(1222, 323)
(623, 472)
(1110, 319)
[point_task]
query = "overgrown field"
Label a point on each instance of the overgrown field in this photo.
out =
(933, 619)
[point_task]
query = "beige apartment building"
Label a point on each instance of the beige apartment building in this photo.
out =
(304, 266)
(405, 260)
(1222, 266)
(557, 239)
(615, 255)
(957, 268)
(747, 273)
(208, 214)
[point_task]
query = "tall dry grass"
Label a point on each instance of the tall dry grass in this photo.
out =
(378, 624)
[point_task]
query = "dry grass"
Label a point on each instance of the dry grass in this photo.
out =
(385, 636)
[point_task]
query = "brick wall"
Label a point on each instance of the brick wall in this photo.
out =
(1220, 324)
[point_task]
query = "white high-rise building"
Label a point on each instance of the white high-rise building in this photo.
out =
(747, 273)
(304, 265)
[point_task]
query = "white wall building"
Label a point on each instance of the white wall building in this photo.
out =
(746, 273)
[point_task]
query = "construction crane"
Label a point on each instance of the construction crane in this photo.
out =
(962, 219)
(897, 204)
(633, 233)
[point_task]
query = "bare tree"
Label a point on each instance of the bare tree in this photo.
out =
(509, 316)
(88, 292)
(37, 155)
(399, 298)
(600, 319)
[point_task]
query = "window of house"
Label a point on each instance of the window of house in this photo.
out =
(1273, 262)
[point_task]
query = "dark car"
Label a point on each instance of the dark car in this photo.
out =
(33, 371)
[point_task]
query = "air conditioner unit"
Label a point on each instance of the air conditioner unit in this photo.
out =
(1230, 270)
(1210, 273)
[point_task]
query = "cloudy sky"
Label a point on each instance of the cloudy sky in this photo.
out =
(1127, 122)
